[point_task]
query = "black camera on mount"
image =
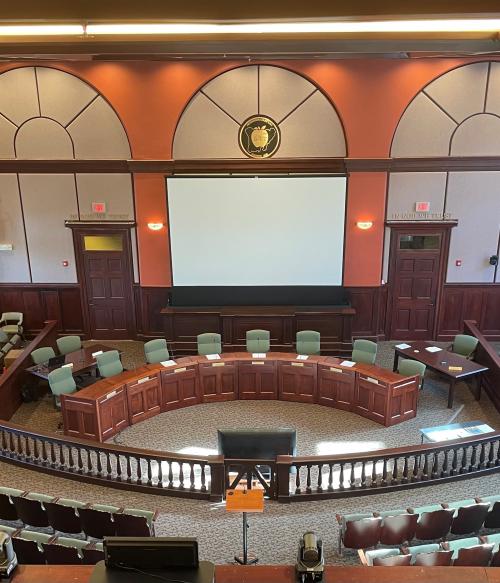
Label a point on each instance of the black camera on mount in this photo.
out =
(310, 564)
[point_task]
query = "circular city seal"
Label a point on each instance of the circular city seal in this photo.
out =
(259, 137)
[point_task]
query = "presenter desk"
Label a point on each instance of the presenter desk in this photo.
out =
(100, 411)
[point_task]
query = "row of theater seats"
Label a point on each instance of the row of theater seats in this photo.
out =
(38, 548)
(74, 517)
(433, 522)
(482, 551)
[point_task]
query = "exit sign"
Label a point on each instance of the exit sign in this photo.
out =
(422, 207)
(99, 207)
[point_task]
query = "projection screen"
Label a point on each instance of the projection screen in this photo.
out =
(256, 230)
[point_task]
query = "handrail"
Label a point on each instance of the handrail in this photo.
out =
(9, 390)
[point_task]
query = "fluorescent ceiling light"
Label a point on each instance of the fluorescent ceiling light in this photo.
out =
(442, 25)
(41, 29)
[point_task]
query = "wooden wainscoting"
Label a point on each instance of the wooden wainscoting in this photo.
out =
(479, 302)
(40, 302)
(148, 303)
(370, 304)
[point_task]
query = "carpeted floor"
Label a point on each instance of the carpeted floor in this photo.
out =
(274, 534)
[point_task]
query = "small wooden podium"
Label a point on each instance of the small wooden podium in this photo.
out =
(245, 501)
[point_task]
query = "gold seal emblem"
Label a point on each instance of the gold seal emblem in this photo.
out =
(259, 137)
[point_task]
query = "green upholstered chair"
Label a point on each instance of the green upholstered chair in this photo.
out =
(109, 363)
(464, 345)
(156, 351)
(308, 342)
(42, 355)
(67, 344)
(409, 368)
(61, 382)
(209, 343)
(364, 351)
(11, 323)
(258, 340)
(3, 337)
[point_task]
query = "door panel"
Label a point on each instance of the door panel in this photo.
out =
(416, 277)
(106, 273)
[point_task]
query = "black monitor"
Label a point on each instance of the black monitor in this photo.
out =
(151, 552)
(264, 444)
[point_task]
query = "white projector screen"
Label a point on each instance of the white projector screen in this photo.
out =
(257, 230)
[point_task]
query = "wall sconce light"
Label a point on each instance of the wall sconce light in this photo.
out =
(364, 225)
(155, 226)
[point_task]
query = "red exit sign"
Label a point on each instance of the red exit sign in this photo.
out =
(99, 207)
(422, 207)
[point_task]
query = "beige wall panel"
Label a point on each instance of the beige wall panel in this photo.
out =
(477, 136)
(14, 266)
(424, 130)
(135, 259)
(407, 188)
(18, 95)
(204, 131)
(43, 139)
(385, 259)
(48, 200)
(113, 189)
(62, 96)
(474, 199)
(281, 91)
(493, 97)
(313, 129)
(7, 133)
(461, 92)
(98, 133)
(235, 92)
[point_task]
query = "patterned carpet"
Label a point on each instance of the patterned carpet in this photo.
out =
(274, 534)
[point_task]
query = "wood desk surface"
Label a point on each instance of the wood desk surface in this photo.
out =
(283, 574)
(435, 360)
(104, 386)
(259, 310)
(81, 359)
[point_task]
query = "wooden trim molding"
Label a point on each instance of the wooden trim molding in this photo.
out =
(274, 165)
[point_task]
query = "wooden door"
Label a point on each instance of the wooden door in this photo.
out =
(104, 261)
(417, 261)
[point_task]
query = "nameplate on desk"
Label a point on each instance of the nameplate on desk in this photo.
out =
(258, 355)
(403, 346)
(183, 369)
(456, 368)
(302, 356)
(339, 370)
(109, 395)
(297, 364)
(94, 354)
(213, 356)
(70, 364)
(371, 380)
(144, 380)
(218, 363)
(253, 362)
(166, 363)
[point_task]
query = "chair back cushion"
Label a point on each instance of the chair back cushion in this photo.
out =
(308, 342)
(258, 340)
(109, 363)
(42, 355)
(209, 343)
(61, 381)
(67, 344)
(464, 344)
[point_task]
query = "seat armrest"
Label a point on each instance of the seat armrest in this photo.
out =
(156, 514)
(478, 499)
(445, 505)
(404, 550)
(376, 515)
(410, 510)
(445, 546)
(362, 557)
(339, 518)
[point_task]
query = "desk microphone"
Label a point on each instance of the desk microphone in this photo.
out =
(8, 559)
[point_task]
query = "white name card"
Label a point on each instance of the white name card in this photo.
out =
(348, 363)
(258, 355)
(403, 346)
(70, 364)
(213, 356)
(371, 380)
(168, 363)
(302, 356)
(94, 354)
(433, 348)
(144, 380)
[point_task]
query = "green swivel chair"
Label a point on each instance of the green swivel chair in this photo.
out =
(67, 344)
(258, 340)
(308, 342)
(109, 363)
(464, 345)
(61, 382)
(409, 368)
(209, 343)
(11, 323)
(364, 351)
(42, 355)
(156, 351)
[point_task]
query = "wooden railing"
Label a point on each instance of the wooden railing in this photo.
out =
(338, 476)
(486, 355)
(12, 380)
(291, 479)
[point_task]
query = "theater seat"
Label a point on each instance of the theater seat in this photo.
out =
(492, 519)
(133, 522)
(469, 516)
(63, 515)
(398, 526)
(31, 510)
(431, 555)
(97, 521)
(28, 547)
(64, 551)
(469, 552)
(7, 507)
(434, 521)
(358, 531)
(386, 558)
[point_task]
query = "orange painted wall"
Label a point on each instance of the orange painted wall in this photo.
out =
(369, 95)
(366, 193)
